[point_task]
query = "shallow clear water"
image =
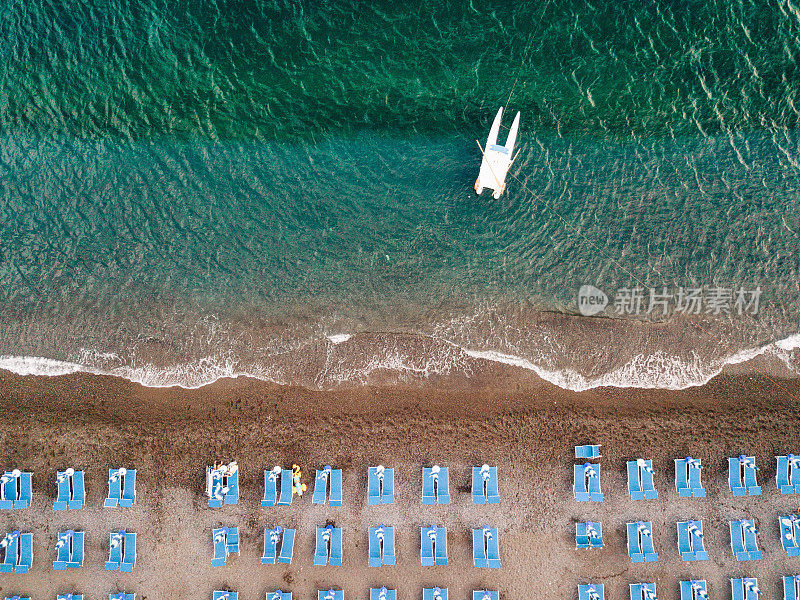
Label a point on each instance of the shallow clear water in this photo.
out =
(227, 188)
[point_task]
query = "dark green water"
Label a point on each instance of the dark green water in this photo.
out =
(193, 190)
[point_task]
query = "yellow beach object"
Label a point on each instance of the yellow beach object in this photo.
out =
(297, 487)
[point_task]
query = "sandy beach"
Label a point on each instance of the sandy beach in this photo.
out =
(509, 418)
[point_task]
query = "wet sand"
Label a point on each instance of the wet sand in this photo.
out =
(504, 417)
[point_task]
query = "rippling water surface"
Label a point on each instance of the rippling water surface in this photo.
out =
(284, 189)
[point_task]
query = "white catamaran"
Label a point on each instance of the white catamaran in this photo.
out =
(497, 159)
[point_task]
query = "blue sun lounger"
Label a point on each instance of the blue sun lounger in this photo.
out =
(745, 588)
(221, 487)
(640, 542)
(742, 476)
(790, 534)
(70, 492)
(69, 550)
(381, 546)
(382, 593)
(330, 595)
(694, 590)
(743, 540)
(16, 489)
(791, 587)
(329, 546)
(435, 485)
(433, 546)
(380, 485)
(643, 591)
(226, 541)
(225, 595)
(589, 451)
(272, 537)
(486, 548)
(122, 596)
(588, 535)
(25, 558)
(690, 541)
(485, 595)
(586, 483)
(640, 480)
(10, 552)
(271, 488)
(591, 591)
(121, 488)
(484, 485)
(436, 593)
(121, 551)
(279, 595)
(785, 477)
(324, 477)
(687, 477)
(69, 597)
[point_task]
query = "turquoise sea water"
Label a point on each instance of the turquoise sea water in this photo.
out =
(284, 189)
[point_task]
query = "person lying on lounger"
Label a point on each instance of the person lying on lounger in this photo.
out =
(437, 593)
(642, 464)
(379, 534)
(588, 470)
(642, 528)
(745, 461)
(486, 472)
(751, 586)
(432, 534)
(700, 590)
(326, 535)
(382, 593)
(435, 472)
(694, 529)
(380, 473)
(275, 534)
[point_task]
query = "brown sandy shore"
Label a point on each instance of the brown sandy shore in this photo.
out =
(527, 427)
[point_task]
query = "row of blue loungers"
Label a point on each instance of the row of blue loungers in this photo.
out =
(16, 551)
(435, 593)
(742, 588)
(279, 546)
(691, 546)
(742, 478)
(16, 489)
(222, 486)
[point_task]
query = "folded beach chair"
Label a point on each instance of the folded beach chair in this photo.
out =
(122, 596)
(10, 550)
(786, 475)
(222, 595)
(435, 485)
(690, 541)
(742, 476)
(380, 485)
(325, 477)
(382, 593)
(687, 477)
(743, 540)
(694, 590)
(128, 553)
(434, 593)
(329, 546)
(330, 595)
(745, 588)
(588, 535)
(640, 542)
(791, 587)
(643, 591)
(381, 546)
(591, 591)
(484, 485)
(586, 485)
(485, 548)
(589, 451)
(790, 534)
(640, 480)
(279, 595)
(433, 546)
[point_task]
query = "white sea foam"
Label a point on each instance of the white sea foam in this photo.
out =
(657, 370)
